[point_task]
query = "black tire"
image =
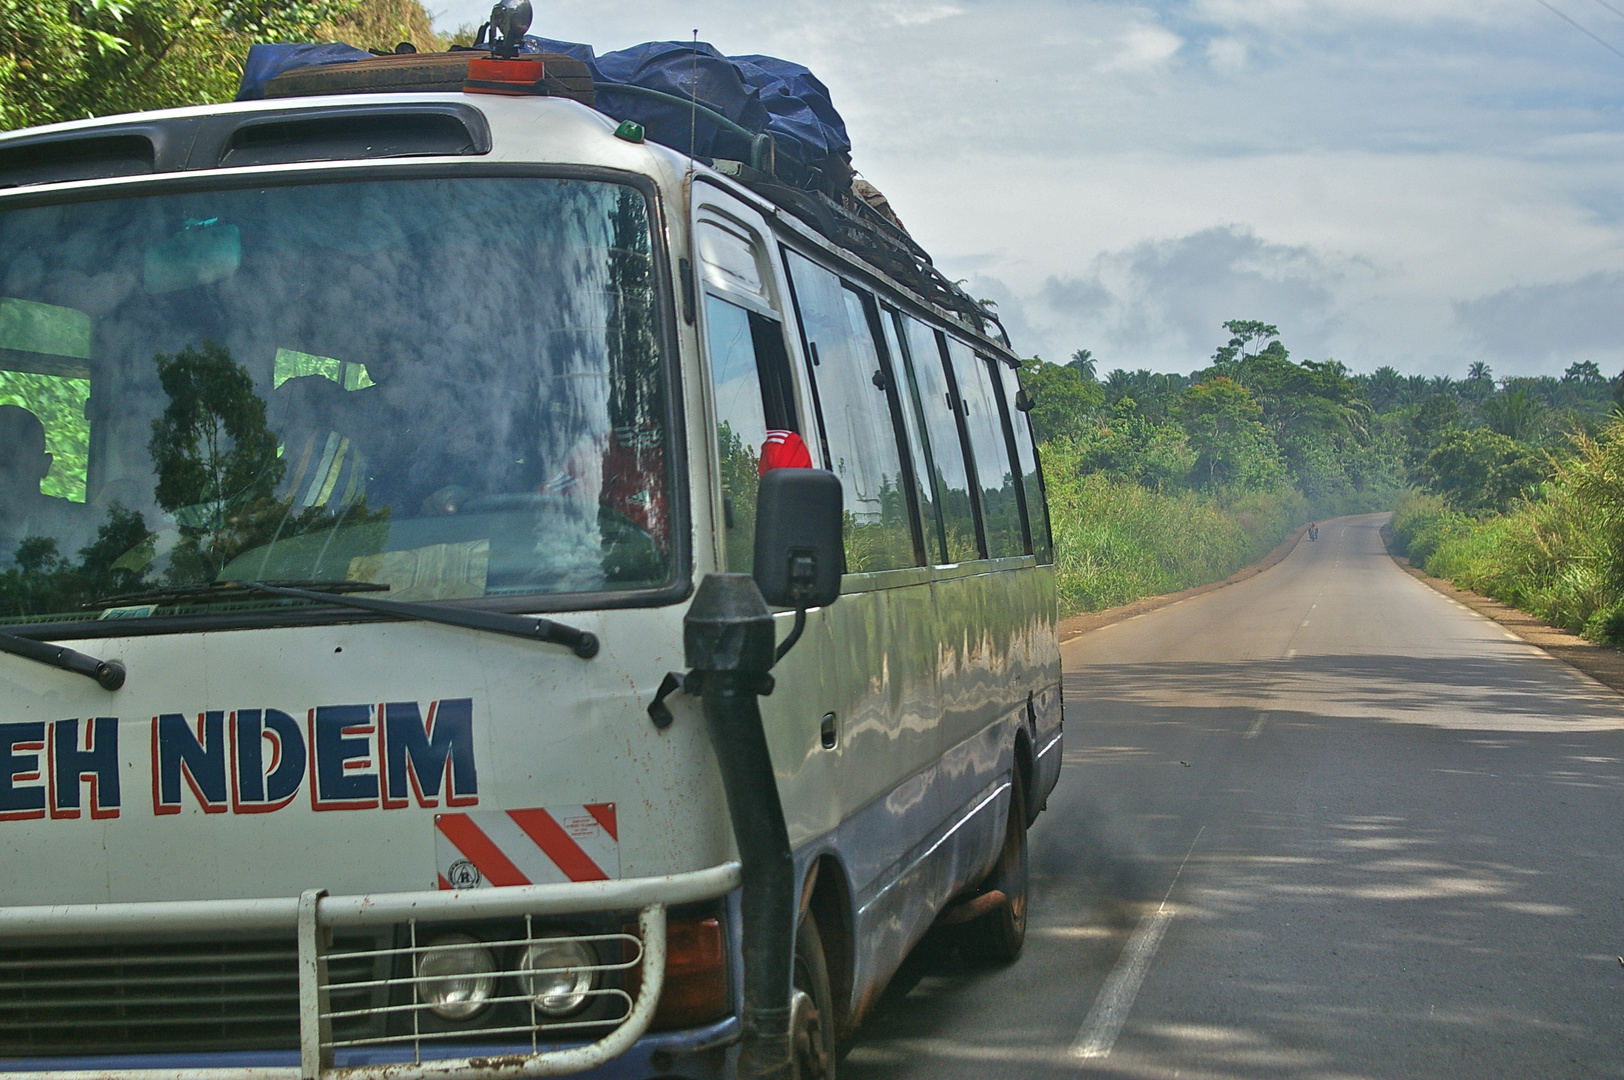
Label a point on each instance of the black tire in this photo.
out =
(812, 1015)
(997, 937)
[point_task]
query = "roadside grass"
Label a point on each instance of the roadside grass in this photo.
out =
(1558, 556)
(1117, 541)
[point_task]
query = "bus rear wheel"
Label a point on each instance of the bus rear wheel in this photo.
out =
(997, 937)
(812, 1012)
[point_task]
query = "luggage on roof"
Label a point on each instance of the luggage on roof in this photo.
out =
(769, 123)
(654, 84)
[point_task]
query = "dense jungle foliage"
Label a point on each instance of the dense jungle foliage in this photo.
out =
(69, 59)
(1163, 481)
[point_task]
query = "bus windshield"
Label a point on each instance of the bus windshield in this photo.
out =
(451, 387)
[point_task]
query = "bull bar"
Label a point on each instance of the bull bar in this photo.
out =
(314, 915)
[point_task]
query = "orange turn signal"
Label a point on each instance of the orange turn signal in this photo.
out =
(695, 990)
(515, 77)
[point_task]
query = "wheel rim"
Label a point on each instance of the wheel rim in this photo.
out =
(807, 1037)
(1017, 902)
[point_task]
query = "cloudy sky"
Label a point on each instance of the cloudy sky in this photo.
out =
(1421, 183)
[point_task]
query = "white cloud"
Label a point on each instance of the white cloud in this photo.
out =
(1227, 55)
(1139, 47)
(1553, 324)
(1378, 177)
(1278, 14)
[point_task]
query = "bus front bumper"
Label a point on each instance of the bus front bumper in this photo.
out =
(331, 1046)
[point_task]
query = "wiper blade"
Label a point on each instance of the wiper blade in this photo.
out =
(581, 642)
(216, 590)
(109, 674)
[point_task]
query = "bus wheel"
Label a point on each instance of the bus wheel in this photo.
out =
(812, 1011)
(997, 937)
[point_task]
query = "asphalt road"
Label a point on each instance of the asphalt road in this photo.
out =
(1324, 823)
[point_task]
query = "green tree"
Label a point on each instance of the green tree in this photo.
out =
(1584, 373)
(1484, 471)
(69, 59)
(1384, 387)
(1244, 333)
(1427, 426)
(1085, 363)
(1517, 414)
(1224, 424)
(1063, 403)
(1153, 395)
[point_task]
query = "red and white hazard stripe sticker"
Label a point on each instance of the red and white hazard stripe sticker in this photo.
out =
(493, 848)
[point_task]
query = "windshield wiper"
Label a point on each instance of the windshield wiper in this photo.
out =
(109, 674)
(583, 643)
(217, 590)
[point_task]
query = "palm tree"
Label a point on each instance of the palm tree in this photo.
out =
(1384, 385)
(1478, 371)
(1084, 363)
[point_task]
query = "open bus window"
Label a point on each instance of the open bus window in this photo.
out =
(455, 387)
(290, 364)
(44, 350)
(750, 377)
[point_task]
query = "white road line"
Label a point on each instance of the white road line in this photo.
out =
(1104, 1022)
(1257, 725)
(1305, 622)
(1290, 653)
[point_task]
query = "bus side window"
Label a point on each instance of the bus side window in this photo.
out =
(850, 392)
(750, 371)
(1037, 505)
(951, 477)
(907, 395)
(47, 374)
(1000, 504)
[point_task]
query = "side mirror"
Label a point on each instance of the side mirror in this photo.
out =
(800, 553)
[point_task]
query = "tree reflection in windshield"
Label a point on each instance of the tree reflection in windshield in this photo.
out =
(451, 386)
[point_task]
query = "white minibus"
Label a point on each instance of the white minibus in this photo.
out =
(406, 495)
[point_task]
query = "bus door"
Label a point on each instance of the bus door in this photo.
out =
(759, 420)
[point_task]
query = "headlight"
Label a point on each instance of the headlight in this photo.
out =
(556, 974)
(459, 976)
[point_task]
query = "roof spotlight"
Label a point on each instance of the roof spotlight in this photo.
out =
(511, 19)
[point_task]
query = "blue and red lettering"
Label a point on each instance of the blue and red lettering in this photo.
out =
(250, 761)
(258, 786)
(426, 757)
(22, 795)
(343, 761)
(197, 757)
(70, 766)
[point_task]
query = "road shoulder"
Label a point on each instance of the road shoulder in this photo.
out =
(1603, 664)
(1076, 626)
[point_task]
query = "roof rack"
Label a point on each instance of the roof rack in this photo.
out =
(857, 227)
(846, 221)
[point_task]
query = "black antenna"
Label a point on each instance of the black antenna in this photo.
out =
(694, 98)
(693, 102)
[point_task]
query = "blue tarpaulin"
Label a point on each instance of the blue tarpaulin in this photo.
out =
(266, 62)
(759, 93)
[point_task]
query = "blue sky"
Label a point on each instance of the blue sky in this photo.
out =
(1416, 182)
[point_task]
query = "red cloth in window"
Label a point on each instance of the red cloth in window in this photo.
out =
(784, 450)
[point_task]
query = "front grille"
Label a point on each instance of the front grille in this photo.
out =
(168, 996)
